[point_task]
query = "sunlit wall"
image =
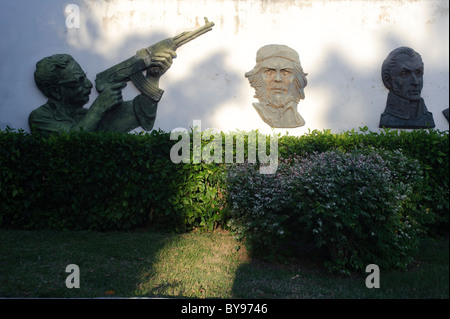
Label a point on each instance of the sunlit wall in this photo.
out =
(341, 44)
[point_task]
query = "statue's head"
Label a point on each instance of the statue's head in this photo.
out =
(402, 73)
(278, 76)
(60, 78)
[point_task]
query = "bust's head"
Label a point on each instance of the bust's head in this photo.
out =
(60, 78)
(278, 76)
(402, 73)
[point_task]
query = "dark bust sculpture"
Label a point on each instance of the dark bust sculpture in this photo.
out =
(402, 73)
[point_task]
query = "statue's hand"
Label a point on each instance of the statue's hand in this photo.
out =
(161, 62)
(110, 97)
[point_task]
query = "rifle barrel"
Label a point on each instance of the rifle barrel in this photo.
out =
(188, 36)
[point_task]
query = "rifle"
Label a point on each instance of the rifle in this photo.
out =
(132, 68)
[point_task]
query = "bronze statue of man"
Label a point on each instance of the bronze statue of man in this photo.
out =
(402, 73)
(279, 82)
(61, 79)
(67, 88)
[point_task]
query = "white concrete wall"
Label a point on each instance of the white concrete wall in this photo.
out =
(341, 44)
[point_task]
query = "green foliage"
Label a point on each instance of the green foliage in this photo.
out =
(103, 181)
(352, 203)
(107, 181)
(430, 147)
(371, 212)
(259, 207)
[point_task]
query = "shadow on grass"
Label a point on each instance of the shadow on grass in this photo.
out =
(33, 263)
(306, 278)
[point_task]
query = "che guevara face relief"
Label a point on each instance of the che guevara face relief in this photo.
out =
(279, 82)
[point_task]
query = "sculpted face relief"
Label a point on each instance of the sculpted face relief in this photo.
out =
(74, 87)
(279, 82)
(407, 77)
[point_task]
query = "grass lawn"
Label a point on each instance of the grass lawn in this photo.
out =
(192, 265)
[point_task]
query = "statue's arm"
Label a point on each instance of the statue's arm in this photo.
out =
(144, 109)
(99, 114)
(141, 111)
(90, 121)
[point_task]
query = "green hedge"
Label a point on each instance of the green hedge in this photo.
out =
(103, 181)
(106, 181)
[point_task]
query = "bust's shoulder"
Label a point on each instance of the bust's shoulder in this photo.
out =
(43, 110)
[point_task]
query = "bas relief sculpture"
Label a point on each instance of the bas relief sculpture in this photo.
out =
(62, 80)
(402, 73)
(279, 81)
(64, 83)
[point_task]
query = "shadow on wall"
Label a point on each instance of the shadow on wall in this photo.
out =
(196, 96)
(347, 85)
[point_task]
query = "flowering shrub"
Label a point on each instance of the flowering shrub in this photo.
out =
(353, 204)
(259, 205)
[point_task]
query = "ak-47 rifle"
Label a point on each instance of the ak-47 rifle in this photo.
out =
(132, 68)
